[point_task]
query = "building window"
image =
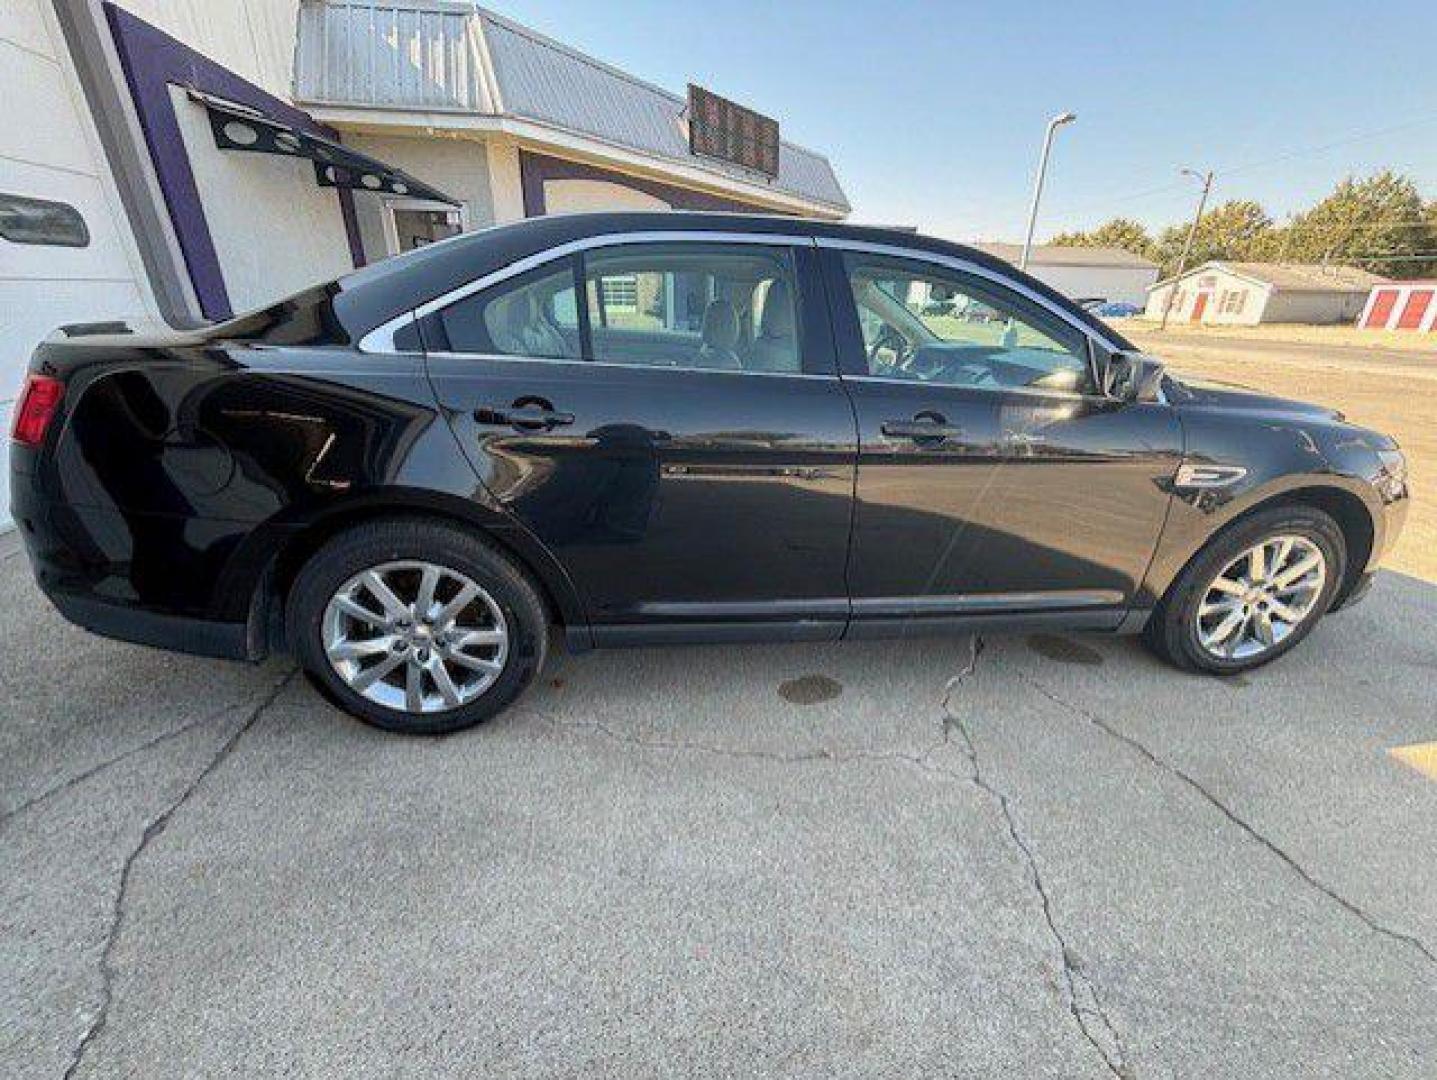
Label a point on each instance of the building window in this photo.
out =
(39, 221)
(1233, 301)
(412, 223)
(621, 294)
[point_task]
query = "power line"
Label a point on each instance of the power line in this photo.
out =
(1246, 166)
(1421, 256)
(1373, 223)
(1322, 148)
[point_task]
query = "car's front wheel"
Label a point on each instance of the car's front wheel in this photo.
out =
(1253, 593)
(416, 626)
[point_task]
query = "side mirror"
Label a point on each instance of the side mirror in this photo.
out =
(1132, 376)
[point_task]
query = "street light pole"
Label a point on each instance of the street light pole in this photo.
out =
(1188, 243)
(1053, 126)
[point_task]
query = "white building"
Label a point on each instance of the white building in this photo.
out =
(1401, 305)
(1245, 294)
(183, 160)
(1085, 273)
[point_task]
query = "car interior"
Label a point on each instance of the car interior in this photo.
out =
(717, 310)
(722, 309)
(706, 309)
(929, 331)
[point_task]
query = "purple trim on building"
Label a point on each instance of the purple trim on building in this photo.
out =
(535, 169)
(351, 223)
(153, 61)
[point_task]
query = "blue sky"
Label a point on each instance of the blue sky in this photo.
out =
(933, 112)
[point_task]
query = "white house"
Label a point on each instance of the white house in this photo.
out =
(1247, 293)
(183, 160)
(1085, 273)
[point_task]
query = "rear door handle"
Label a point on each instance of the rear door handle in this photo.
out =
(920, 430)
(525, 415)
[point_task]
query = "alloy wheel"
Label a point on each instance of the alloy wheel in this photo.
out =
(1261, 597)
(415, 636)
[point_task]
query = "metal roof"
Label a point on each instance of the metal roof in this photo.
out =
(1307, 277)
(1056, 255)
(1293, 277)
(445, 55)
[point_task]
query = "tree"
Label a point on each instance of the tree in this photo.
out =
(1428, 268)
(1123, 233)
(1379, 224)
(1238, 229)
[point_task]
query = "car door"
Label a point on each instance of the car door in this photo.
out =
(992, 477)
(609, 401)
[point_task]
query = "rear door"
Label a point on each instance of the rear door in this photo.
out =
(609, 401)
(992, 477)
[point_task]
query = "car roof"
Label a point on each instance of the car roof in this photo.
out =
(373, 295)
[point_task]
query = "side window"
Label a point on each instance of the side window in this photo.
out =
(535, 314)
(932, 325)
(722, 307)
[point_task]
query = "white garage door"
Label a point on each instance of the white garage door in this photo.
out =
(49, 155)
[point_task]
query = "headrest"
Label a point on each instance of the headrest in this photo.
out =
(777, 318)
(521, 311)
(720, 328)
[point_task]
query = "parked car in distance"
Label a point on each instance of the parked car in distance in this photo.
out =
(649, 428)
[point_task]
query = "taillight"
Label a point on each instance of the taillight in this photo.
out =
(37, 407)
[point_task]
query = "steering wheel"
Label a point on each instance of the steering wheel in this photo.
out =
(889, 338)
(979, 374)
(958, 373)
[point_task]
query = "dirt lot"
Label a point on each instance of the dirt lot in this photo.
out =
(1383, 380)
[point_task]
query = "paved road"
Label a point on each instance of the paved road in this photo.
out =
(1377, 358)
(1054, 858)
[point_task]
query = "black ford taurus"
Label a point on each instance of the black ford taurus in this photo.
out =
(641, 428)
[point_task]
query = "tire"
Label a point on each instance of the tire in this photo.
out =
(506, 612)
(1174, 631)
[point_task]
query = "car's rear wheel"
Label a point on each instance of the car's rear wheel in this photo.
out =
(1253, 593)
(416, 626)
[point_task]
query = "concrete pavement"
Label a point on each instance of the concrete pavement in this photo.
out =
(1038, 857)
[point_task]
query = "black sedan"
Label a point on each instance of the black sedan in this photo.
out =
(637, 428)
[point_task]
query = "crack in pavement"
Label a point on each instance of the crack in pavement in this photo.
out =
(921, 760)
(1083, 1005)
(683, 746)
(124, 755)
(1296, 867)
(151, 831)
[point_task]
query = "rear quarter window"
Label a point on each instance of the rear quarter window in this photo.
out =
(534, 314)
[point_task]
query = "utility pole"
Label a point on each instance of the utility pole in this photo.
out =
(1053, 125)
(1188, 244)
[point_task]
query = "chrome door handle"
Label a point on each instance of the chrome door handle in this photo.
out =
(920, 430)
(529, 416)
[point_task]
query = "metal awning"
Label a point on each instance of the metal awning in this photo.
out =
(239, 127)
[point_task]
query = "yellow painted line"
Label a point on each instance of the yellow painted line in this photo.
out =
(1420, 756)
